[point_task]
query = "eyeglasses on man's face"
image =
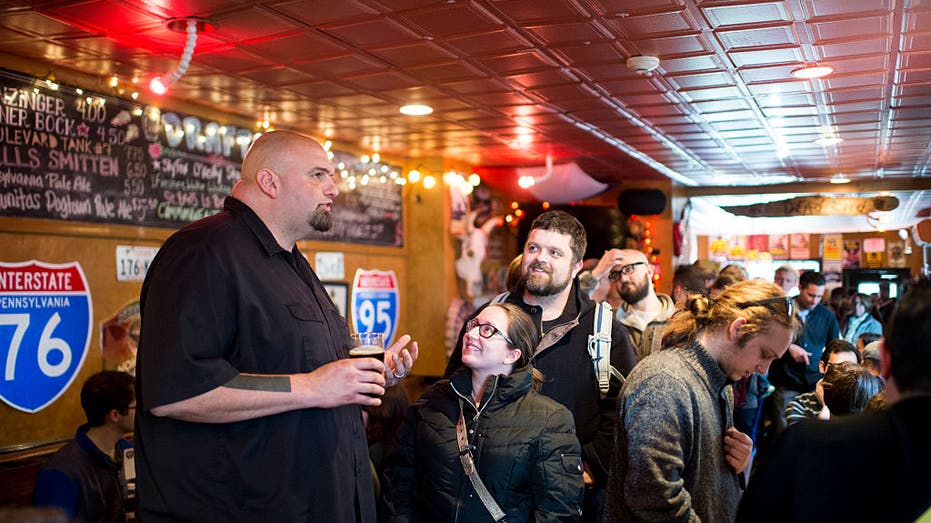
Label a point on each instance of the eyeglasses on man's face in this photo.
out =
(486, 330)
(626, 270)
(787, 300)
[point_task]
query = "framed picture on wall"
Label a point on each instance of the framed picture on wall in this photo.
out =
(339, 293)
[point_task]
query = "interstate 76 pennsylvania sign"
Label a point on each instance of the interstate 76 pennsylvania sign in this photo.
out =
(45, 328)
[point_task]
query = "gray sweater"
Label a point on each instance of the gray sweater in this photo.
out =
(668, 462)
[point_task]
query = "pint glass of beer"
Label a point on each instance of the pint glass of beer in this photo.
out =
(367, 345)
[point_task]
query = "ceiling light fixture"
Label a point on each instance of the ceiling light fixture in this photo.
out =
(827, 141)
(813, 71)
(840, 178)
(191, 26)
(643, 65)
(416, 109)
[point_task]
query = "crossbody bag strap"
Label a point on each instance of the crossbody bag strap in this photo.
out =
(468, 465)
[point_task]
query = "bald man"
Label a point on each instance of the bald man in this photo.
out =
(248, 406)
(642, 310)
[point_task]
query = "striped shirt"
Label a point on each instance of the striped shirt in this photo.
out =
(804, 406)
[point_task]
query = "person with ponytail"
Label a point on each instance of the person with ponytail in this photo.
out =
(677, 455)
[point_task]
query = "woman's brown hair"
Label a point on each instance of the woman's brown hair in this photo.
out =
(523, 335)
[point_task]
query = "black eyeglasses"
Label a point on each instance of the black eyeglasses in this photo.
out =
(486, 330)
(626, 270)
(789, 302)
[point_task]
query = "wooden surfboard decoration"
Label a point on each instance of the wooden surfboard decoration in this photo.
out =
(816, 206)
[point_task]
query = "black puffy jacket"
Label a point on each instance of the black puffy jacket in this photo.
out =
(525, 451)
(563, 358)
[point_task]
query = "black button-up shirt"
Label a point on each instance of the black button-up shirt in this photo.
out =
(223, 298)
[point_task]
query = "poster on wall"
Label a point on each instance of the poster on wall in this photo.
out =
(737, 248)
(375, 302)
(798, 247)
(45, 331)
(851, 254)
(895, 252)
(757, 244)
(779, 246)
(874, 260)
(873, 249)
(119, 338)
(831, 253)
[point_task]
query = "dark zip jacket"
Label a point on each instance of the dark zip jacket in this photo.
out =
(569, 377)
(525, 451)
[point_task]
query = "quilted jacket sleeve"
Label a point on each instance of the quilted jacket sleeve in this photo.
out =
(557, 471)
(398, 503)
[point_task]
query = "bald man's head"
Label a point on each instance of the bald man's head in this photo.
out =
(633, 256)
(287, 180)
(634, 276)
(270, 151)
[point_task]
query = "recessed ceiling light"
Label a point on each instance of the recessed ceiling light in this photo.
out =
(416, 110)
(840, 178)
(815, 71)
(829, 140)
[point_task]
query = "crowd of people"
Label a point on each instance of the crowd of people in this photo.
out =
(577, 395)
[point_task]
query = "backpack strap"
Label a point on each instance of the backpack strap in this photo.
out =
(599, 347)
(500, 298)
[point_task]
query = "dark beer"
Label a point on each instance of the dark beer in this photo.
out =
(368, 351)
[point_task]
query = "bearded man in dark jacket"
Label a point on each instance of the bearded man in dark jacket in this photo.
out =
(565, 318)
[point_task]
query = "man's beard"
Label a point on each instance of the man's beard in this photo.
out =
(321, 220)
(540, 285)
(634, 293)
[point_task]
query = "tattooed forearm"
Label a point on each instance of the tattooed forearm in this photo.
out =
(263, 383)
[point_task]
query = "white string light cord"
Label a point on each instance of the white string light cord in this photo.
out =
(157, 84)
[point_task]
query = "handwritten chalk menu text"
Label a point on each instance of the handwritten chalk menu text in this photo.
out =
(85, 157)
(72, 155)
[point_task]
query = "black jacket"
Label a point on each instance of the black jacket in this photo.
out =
(562, 356)
(877, 463)
(525, 451)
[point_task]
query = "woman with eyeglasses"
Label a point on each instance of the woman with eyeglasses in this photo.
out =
(677, 455)
(487, 416)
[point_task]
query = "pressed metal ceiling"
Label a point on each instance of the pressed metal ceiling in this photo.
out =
(513, 81)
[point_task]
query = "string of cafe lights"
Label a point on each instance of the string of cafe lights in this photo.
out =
(354, 170)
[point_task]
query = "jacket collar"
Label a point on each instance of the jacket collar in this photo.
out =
(83, 441)
(705, 366)
(582, 302)
(633, 320)
(501, 389)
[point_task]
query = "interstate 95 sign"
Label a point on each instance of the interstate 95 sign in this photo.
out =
(375, 303)
(45, 328)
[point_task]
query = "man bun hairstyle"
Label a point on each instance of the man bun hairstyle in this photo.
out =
(703, 313)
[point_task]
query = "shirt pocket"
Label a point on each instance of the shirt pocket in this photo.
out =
(318, 347)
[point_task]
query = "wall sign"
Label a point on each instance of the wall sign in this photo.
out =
(45, 328)
(375, 305)
(133, 261)
(330, 266)
(94, 158)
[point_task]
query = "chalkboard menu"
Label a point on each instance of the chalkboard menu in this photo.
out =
(80, 156)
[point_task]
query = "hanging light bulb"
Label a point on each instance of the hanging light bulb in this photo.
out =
(191, 26)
